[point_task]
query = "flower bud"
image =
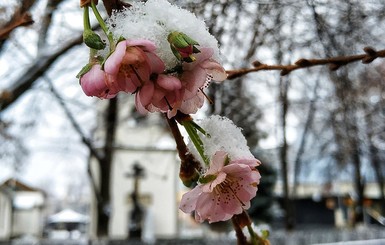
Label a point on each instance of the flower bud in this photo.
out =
(93, 40)
(189, 170)
(182, 46)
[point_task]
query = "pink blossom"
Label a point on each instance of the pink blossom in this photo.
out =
(94, 83)
(160, 94)
(199, 73)
(184, 93)
(134, 67)
(129, 68)
(138, 70)
(132, 63)
(224, 190)
(196, 76)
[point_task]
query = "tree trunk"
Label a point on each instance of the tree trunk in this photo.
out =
(104, 205)
(359, 185)
(307, 128)
(375, 161)
(287, 202)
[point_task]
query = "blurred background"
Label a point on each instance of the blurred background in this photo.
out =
(78, 170)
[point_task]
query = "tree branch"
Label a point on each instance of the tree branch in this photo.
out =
(74, 123)
(21, 17)
(19, 20)
(38, 69)
(189, 165)
(85, 140)
(334, 63)
(111, 5)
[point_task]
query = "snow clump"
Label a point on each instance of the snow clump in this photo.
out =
(224, 135)
(155, 20)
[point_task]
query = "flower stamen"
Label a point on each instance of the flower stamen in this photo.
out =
(206, 96)
(137, 74)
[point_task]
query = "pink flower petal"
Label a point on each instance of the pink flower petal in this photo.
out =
(218, 180)
(215, 70)
(113, 62)
(217, 162)
(138, 104)
(146, 93)
(228, 194)
(192, 105)
(206, 203)
(189, 200)
(156, 64)
(251, 162)
(126, 84)
(169, 82)
(146, 45)
(135, 79)
(194, 80)
(211, 209)
(94, 81)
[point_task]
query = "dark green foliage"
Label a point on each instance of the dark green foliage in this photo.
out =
(261, 210)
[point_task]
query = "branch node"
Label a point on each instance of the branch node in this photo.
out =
(334, 66)
(303, 62)
(370, 51)
(26, 19)
(256, 63)
(6, 95)
(285, 71)
(368, 59)
(232, 75)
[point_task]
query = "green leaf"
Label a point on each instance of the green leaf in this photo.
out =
(207, 178)
(265, 234)
(188, 39)
(176, 53)
(84, 70)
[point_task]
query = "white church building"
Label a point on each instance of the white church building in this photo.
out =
(151, 146)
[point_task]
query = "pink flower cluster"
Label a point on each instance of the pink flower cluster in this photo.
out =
(134, 67)
(224, 190)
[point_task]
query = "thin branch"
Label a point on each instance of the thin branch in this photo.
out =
(111, 5)
(189, 165)
(21, 17)
(85, 140)
(46, 21)
(21, 20)
(74, 123)
(38, 69)
(241, 238)
(334, 63)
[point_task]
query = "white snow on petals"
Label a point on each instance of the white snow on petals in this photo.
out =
(225, 136)
(154, 20)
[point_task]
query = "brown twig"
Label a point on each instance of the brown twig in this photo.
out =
(334, 63)
(20, 17)
(189, 166)
(23, 19)
(111, 5)
(237, 224)
(38, 69)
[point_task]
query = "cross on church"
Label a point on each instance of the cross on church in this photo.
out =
(135, 227)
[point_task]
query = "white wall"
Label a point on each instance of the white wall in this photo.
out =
(27, 221)
(158, 189)
(5, 217)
